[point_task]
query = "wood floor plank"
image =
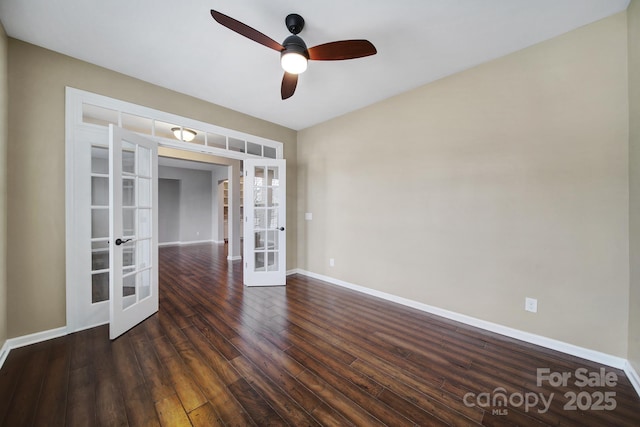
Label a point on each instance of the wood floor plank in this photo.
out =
(338, 377)
(171, 412)
(178, 309)
(257, 408)
(295, 332)
(221, 354)
(51, 409)
(276, 397)
(81, 355)
(211, 355)
(214, 337)
(328, 416)
(215, 390)
(150, 327)
(184, 385)
(420, 364)
(81, 400)
(429, 397)
(137, 400)
(25, 397)
(10, 375)
(334, 398)
(419, 415)
(283, 379)
(155, 376)
(110, 407)
(205, 416)
(328, 363)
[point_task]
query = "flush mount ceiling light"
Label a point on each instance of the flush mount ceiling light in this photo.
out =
(184, 134)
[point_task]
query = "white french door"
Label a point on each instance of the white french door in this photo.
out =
(133, 229)
(91, 254)
(265, 238)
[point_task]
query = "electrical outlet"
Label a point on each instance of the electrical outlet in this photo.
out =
(531, 304)
(308, 216)
(332, 262)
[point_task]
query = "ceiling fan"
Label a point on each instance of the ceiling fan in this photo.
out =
(294, 53)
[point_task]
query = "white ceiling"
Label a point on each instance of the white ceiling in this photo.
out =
(177, 45)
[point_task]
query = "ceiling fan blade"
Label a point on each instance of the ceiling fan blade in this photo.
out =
(245, 30)
(345, 49)
(289, 83)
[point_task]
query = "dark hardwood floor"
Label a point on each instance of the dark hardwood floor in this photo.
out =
(310, 353)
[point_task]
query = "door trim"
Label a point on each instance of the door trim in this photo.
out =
(75, 128)
(265, 194)
(121, 318)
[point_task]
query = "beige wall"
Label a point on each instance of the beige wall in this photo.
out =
(634, 163)
(36, 172)
(506, 181)
(3, 180)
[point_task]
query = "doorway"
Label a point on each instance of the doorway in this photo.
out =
(190, 200)
(87, 118)
(168, 210)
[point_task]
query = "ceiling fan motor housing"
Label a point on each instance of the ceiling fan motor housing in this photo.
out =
(294, 44)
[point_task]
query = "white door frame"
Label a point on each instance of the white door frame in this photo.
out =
(126, 311)
(265, 211)
(79, 132)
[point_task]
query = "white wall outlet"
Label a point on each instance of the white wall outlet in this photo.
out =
(531, 304)
(332, 262)
(308, 216)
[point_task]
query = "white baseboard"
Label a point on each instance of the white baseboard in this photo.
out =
(633, 376)
(84, 328)
(4, 352)
(574, 350)
(25, 340)
(193, 242)
(37, 337)
(196, 242)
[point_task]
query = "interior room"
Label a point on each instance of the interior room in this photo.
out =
(191, 202)
(461, 204)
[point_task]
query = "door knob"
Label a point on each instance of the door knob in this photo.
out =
(281, 228)
(119, 241)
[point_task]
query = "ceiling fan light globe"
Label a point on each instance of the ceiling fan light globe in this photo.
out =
(293, 62)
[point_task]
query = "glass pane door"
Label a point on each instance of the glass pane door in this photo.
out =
(265, 220)
(99, 224)
(133, 198)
